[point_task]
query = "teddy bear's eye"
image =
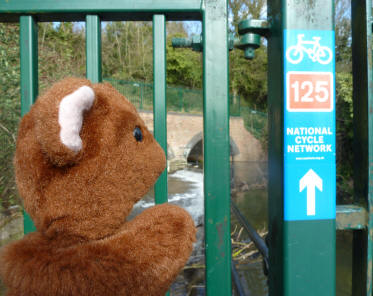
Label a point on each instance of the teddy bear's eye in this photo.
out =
(137, 134)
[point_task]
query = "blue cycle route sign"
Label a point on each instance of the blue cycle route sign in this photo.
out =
(309, 125)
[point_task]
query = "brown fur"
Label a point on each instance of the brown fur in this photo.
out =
(79, 203)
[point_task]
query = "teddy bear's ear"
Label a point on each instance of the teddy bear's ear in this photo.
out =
(59, 117)
(70, 116)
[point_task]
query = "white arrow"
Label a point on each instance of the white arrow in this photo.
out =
(310, 180)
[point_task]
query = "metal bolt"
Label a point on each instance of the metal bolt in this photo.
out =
(195, 43)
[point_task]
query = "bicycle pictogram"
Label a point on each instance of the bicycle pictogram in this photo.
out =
(312, 48)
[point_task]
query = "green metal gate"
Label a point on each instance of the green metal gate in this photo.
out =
(299, 266)
(213, 14)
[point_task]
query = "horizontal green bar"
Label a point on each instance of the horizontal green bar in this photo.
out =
(114, 10)
(104, 16)
(90, 6)
(351, 217)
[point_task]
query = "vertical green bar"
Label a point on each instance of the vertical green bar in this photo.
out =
(29, 77)
(159, 98)
(361, 13)
(301, 242)
(275, 150)
(141, 95)
(93, 48)
(216, 149)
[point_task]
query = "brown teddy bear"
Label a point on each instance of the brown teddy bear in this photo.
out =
(84, 157)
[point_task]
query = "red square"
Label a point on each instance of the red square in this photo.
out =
(310, 92)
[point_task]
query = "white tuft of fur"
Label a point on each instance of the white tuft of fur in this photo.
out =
(70, 116)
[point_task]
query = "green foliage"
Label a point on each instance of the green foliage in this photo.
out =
(127, 49)
(344, 136)
(9, 110)
(61, 52)
(183, 65)
(344, 106)
(248, 79)
(343, 36)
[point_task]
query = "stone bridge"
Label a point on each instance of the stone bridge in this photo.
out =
(185, 136)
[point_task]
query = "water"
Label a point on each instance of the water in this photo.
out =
(185, 188)
(250, 195)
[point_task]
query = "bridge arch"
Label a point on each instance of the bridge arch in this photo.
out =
(195, 145)
(185, 131)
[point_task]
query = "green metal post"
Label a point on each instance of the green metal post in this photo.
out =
(181, 92)
(159, 97)
(29, 77)
(239, 106)
(93, 48)
(216, 149)
(301, 237)
(361, 12)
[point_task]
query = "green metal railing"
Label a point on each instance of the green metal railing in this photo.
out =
(215, 100)
(179, 99)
